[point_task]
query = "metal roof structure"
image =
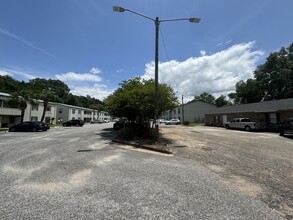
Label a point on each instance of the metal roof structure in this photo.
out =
(259, 107)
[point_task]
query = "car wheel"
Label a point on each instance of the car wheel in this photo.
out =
(227, 126)
(247, 128)
(34, 130)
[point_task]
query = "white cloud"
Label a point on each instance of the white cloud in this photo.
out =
(5, 73)
(216, 73)
(97, 90)
(71, 76)
(85, 83)
(203, 52)
(95, 70)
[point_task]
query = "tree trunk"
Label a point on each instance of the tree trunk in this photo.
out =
(22, 115)
(44, 110)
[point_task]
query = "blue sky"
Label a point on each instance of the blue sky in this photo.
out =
(92, 49)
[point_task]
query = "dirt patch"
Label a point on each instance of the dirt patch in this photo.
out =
(245, 186)
(259, 164)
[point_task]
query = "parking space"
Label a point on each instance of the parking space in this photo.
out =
(259, 163)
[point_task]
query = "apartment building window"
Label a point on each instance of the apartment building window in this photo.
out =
(60, 110)
(73, 111)
(48, 109)
(1, 103)
(87, 112)
(34, 118)
(79, 111)
(7, 104)
(35, 107)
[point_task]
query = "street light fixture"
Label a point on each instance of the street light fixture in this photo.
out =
(157, 23)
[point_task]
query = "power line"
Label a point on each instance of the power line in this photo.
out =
(166, 52)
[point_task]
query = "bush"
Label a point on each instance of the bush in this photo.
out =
(127, 133)
(186, 123)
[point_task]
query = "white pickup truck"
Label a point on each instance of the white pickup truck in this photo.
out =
(244, 123)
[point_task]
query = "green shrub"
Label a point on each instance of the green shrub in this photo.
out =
(127, 133)
(186, 123)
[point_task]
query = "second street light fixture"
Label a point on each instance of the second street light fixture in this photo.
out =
(157, 24)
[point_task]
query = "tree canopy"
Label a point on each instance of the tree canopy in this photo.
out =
(134, 99)
(272, 80)
(48, 90)
(209, 98)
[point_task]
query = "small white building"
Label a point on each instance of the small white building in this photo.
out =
(193, 111)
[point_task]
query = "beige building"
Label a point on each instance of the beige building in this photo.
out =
(193, 111)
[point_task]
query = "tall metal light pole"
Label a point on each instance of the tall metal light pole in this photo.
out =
(157, 24)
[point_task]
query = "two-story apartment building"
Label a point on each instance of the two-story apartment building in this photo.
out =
(55, 112)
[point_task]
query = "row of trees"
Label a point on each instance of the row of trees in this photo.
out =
(272, 80)
(48, 90)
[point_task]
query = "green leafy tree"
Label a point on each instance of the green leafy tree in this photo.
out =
(48, 90)
(21, 100)
(10, 85)
(247, 92)
(134, 99)
(205, 97)
(272, 80)
(222, 101)
(276, 75)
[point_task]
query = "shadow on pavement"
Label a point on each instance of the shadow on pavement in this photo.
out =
(107, 133)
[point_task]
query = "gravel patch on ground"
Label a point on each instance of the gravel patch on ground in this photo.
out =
(260, 164)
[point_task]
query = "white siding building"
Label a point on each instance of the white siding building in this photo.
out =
(55, 112)
(193, 111)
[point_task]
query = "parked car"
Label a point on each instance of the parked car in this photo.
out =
(160, 121)
(118, 125)
(173, 122)
(29, 126)
(74, 122)
(96, 121)
(45, 125)
(286, 127)
(245, 123)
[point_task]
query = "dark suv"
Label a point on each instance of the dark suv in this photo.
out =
(286, 127)
(74, 122)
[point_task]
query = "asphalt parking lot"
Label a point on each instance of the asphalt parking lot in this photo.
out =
(79, 173)
(258, 163)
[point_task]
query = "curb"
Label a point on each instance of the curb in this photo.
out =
(143, 146)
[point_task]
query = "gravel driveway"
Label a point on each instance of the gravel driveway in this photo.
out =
(261, 164)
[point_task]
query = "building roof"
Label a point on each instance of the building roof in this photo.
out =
(4, 94)
(196, 101)
(259, 107)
